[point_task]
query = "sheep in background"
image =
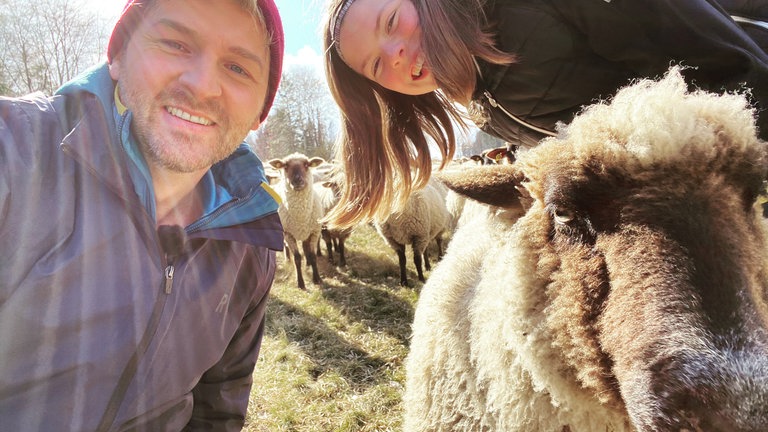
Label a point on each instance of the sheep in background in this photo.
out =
(632, 293)
(334, 238)
(300, 211)
(503, 155)
(324, 171)
(273, 175)
(423, 219)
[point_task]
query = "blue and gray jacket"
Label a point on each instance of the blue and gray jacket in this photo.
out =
(100, 327)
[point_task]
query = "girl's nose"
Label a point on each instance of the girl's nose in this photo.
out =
(395, 52)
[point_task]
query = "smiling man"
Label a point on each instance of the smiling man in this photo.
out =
(138, 235)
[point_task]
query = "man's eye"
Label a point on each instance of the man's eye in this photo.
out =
(238, 70)
(173, 45)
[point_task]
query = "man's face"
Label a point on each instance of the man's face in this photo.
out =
(195, 74)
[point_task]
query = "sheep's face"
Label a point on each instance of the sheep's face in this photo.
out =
(658, 298)
(668, 270)
(296, 170)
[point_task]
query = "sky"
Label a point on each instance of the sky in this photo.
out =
(301, 24)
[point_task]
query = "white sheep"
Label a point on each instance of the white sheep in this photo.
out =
(423, 219)
(300, 210)
(329, 191)
(619, 284)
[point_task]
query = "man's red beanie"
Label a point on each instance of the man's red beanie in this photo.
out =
(131, 16)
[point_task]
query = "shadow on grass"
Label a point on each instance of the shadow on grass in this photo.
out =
(325, 347)
(377, 307)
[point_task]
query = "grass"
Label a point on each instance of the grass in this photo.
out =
(332, 356)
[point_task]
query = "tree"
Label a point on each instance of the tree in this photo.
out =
(46, 43)
(482, 141)
(302, 119)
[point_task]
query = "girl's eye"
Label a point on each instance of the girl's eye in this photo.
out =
(376, 65)
(391, 22)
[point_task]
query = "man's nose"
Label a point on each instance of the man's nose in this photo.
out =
(203, 77)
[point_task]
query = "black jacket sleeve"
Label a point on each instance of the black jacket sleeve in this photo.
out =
(647, 36)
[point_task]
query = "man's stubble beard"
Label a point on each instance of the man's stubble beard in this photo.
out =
(160, 149)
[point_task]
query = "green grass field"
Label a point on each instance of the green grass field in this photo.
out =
(332, 356)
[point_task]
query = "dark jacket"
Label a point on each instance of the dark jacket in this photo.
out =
(101, 328)
(575, 52)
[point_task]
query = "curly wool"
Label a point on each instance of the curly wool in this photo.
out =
(485, 352)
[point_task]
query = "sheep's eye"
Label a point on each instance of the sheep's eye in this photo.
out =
(563, 216)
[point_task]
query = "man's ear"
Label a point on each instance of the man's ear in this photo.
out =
(114, 68)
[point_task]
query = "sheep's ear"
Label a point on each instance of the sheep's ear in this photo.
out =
(316, 162)
(276, 163)
(496, 185)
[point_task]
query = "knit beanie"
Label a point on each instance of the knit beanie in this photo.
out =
(131, 16)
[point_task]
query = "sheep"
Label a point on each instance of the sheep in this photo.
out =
(503, 155)
(620, 282)
(423, 219)
(300, 210)
(497, 155)
(334, 238)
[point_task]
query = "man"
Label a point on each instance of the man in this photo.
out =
(137, 233)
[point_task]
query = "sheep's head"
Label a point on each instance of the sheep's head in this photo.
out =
(645, 214)
(296, 169)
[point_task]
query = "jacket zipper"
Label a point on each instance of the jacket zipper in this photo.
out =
(745, 20)
(169, 278)
(118, 394)
(520, 121)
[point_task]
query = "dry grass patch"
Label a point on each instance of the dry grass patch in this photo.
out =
(332, 356)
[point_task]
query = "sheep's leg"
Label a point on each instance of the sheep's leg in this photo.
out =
(419, 252)
(309, 246)
(292, 246)
(297, 262)
(400, 249)
(417, 258)
(439, 241)
(287, 252)
(340, 250)
(328, 244)
(329, 249)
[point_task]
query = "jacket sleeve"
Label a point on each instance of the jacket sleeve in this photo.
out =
(6, 141)
(646, 36)
(753, 9)
(222, 394)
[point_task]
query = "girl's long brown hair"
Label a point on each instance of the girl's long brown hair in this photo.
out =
(384, 141)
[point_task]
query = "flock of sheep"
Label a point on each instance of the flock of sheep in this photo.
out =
(614, 278)
(309, 188)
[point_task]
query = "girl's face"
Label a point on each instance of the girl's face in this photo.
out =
(381, 40)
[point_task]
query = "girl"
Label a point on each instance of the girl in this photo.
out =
(401, 69)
